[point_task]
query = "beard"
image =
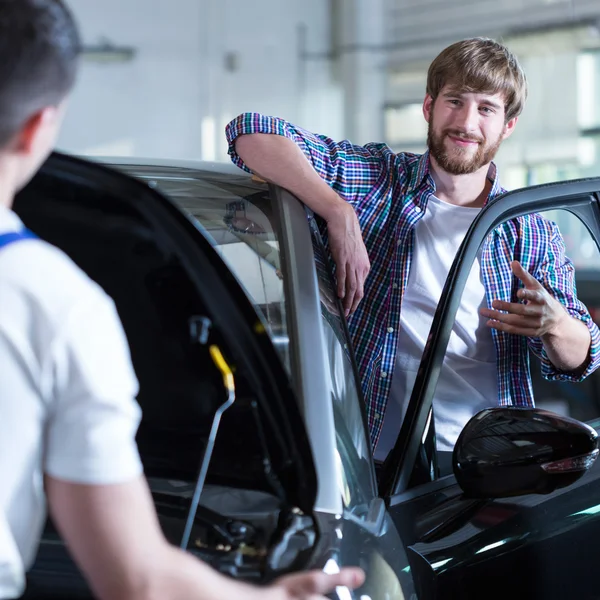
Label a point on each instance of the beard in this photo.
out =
(457, 160)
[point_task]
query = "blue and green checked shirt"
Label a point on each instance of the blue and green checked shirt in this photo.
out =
(389, 193)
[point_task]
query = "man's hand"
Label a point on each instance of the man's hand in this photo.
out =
(313, 585)
(567, 340)
(538, 315)
(350, 255)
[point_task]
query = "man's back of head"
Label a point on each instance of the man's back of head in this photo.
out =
(39, 46)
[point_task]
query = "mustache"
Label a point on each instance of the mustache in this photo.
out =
(463, 136)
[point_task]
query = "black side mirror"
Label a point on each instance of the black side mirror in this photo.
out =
(504, 452)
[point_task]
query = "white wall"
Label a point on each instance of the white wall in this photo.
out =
(174, 98)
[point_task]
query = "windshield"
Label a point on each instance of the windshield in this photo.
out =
(236, 212)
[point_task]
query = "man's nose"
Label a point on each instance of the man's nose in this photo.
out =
(467, 118)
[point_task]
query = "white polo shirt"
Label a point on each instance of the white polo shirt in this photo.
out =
(67, 392)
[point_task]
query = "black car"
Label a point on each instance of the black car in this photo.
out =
(254, 437)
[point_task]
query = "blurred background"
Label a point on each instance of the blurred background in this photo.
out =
(161, 79)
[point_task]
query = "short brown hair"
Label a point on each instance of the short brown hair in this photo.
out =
(480, 65)
(39, 44)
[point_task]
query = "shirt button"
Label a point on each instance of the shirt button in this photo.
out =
(418, 209)
(395, 286)
(383, 375)
(377, 416)
(390, 330)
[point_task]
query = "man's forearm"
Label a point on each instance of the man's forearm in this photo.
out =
(279, 160)
(568, 347)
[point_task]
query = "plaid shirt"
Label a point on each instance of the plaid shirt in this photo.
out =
(389, 193)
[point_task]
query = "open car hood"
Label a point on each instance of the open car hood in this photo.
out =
(171, 288)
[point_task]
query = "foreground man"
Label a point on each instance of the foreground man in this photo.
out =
(68, 415)
(400, 218)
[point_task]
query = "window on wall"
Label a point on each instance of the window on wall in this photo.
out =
(405, 125)
(552, 171)
(588, 112)
(588, 90)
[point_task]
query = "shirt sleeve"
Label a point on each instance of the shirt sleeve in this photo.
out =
(351, 170)
(94, 415)
(557, 275)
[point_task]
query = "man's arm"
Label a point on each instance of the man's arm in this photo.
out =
(568, 343)
(329, 177)
(114, 535)
(279, 160)
(94, 483)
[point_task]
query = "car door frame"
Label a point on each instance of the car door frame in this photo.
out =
(309, 360)
(580, 197)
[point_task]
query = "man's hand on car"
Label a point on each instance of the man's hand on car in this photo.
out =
(313, 585)
(350, 255)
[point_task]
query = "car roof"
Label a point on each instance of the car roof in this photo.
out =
(199, 166)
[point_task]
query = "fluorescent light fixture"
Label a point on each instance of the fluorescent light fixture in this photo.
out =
(107, 52)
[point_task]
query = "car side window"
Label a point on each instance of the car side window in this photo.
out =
(353, 450)
(471, 374)
(580, 400)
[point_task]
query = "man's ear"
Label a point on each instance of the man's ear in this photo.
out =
(427, 107)
(24, 140)
(509, 127)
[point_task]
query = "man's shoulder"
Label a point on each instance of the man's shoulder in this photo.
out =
(538, 223)
(384, 149)
(397, 161)
(534, 233)
(45, 276)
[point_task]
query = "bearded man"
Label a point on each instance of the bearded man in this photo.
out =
(394, 221)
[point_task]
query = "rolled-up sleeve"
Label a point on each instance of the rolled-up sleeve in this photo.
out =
(350, 169)
(557, 275)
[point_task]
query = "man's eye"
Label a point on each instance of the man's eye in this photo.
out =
(487, 110)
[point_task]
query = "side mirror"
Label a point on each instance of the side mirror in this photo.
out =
(503, 452)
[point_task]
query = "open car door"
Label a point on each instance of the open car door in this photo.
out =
(528, 546)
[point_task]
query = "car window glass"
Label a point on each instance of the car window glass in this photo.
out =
(469, 380)
(351, 437)
(578, 400)
(237, 214)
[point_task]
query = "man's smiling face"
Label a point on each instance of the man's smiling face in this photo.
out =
(465, 129)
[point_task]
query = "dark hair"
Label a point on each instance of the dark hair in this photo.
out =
(480, 65)
(39, 48)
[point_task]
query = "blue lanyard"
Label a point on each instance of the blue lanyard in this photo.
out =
(15, 236)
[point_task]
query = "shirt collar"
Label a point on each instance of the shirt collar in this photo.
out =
(421, 179)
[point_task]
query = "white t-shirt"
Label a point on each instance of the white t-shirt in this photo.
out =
(468, 378)
(67, 391)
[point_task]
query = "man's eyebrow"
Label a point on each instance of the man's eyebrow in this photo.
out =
(493, 104)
